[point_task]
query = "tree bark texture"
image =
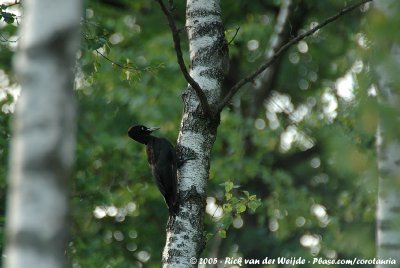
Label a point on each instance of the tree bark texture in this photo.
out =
(388, 145)
(42, 149)
(208, 58)
(387, 67)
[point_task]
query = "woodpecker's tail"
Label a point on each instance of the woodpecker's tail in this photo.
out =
(172, 207)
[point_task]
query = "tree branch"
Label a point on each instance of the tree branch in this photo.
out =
(126, 67)
(5, 6)
(113, 62)
(278, 53)
(3, 39)
(234, 36)
(177, 44)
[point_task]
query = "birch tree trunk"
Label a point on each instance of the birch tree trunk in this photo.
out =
(43, 142)
(208, 57)
(387, 66)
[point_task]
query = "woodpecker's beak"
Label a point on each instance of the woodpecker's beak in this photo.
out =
(151, 129)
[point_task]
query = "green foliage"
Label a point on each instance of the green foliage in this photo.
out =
(4, 154)
(319, 187)
(5, 15)
(233, 207)
(239, 205)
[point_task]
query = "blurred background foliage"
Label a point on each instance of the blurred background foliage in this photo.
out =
(308, 155)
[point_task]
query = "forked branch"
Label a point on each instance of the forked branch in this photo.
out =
(177, 44)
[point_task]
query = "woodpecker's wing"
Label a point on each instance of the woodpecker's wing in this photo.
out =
(174, 182)
(163, 163)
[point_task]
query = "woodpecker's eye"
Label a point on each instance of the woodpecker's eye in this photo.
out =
(142, 128)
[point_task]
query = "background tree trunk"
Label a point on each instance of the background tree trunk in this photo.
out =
(387, 66)
(264, 83)
(42, 149)
(208, 57)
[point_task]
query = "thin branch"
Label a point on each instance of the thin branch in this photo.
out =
(127, 67)
(3, 39)
(115, 63)
(278, 53)
(234, 36)
(177, 44)
(5, 6)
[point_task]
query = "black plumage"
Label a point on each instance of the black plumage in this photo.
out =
(162, 158)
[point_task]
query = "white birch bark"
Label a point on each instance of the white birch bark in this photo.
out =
(43, 141)
(208, 57)
(388, 142)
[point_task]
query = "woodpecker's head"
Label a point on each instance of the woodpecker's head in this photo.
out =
(141, 133)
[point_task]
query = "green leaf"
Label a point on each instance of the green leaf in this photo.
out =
(226, 221)
(252, 197)
(94, 44)
(254, 204)
(227, 207)
(240, 208)
(234, 200)
(102, 41)
(246, 193)
(209, 236)
(222, 233)
(8, 17)
(228, 196)
(228, 186)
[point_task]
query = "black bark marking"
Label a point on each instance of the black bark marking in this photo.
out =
(383, 156)
(211, 55)
(177, 227)
(214, 73)
(393, 246)
(184, 154)
(385, 172)
(395, 209)
(194, 13)
(191, 199)
(385, 225)
(197, 122)
(214, 28)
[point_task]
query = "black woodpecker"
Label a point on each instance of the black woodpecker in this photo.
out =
(162, 158)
